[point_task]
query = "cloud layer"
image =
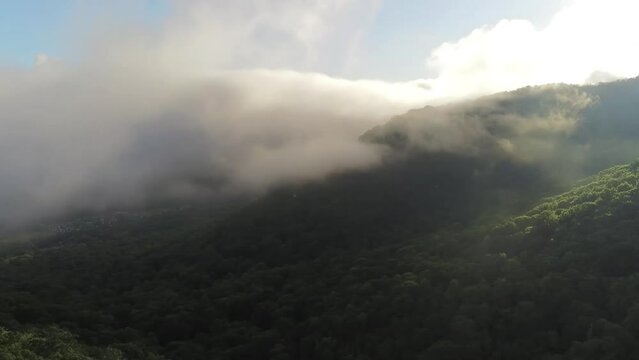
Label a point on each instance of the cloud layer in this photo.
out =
(223, 98)
(170, 113)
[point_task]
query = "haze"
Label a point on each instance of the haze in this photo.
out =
(223, 97)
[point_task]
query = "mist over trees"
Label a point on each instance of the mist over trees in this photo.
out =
(455, 249)
(246, 180)
(571, 131)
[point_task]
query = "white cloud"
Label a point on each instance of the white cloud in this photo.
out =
(185, 112)
(222, 98)
(588, 40)
(293, 34)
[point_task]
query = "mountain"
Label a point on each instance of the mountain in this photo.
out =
(453, 248)
(558, 281)
(570, 130)
(448, 167)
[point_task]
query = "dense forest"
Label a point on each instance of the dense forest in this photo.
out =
(50, 343)
(519, 242)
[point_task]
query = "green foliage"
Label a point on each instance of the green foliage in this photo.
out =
(610, 191)
(279, 280)
(557, 281)
(49, 344)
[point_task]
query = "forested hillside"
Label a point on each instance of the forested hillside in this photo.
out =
(560, 280)
(456, 249)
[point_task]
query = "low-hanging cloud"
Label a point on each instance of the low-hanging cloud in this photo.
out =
(528, 124)
(168, 114)
(222, 98)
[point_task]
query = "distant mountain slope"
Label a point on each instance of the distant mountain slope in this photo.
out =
(571, 130)
(448, 167)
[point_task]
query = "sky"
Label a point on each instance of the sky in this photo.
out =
(32, 27)
(406, 31)
(110, 104)
(394, 44)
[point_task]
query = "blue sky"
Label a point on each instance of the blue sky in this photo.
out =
(29, 27)
(395, 47)
(406, 31)
(32, 27)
